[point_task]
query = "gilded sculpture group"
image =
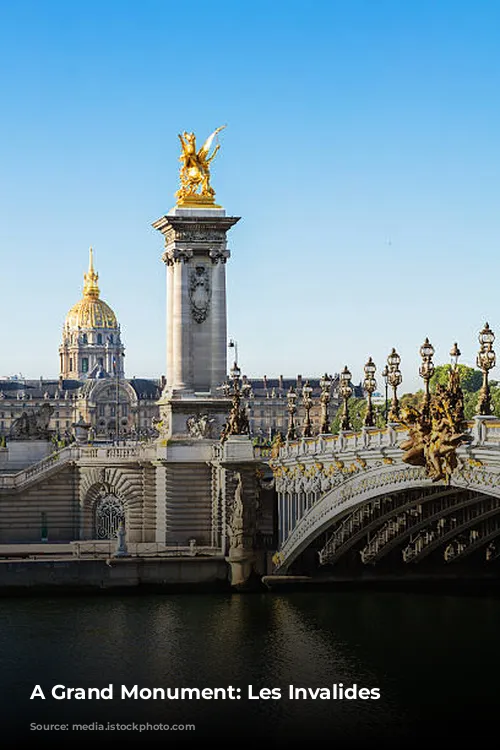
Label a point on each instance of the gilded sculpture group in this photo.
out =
(195, 170)
(436, 430)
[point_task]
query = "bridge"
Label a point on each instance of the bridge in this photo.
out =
(350, 500)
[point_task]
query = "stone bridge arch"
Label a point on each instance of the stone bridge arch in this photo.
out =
(302, 525)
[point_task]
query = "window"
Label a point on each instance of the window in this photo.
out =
(85, 338)
(85, 364)
(71, 364)
(99, 338)
(112, 410)
(100, 361)
(124, 410)
(101, 410)
(110, 338)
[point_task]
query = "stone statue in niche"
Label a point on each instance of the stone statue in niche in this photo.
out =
(199, 293)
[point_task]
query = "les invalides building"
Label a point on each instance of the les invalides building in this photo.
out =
(91, 384)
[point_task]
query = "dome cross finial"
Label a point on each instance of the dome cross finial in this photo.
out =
(90, 288)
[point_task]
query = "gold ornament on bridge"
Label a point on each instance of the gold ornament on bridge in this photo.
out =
(437, 429)
(195, 189)
(237, 422)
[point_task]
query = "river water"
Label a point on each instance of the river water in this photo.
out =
(435, 659)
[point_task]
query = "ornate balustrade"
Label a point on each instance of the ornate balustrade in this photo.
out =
(76, 453)
(106, 549)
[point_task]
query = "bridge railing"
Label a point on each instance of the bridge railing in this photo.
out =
(368, 437)
(484, 429)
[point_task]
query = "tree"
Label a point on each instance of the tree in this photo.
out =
(470, 379)
(412, 399)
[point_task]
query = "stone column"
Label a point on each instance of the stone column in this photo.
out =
(219, 324)
(195, 254)
(181, 326)
(170, 318)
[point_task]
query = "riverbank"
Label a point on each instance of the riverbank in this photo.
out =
(207, 575)
(123, 574)
(439, 582)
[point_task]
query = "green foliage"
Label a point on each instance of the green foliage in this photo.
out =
(411, 399)
(495, 399)
(357, 412)
(470, 379)
(470, 404)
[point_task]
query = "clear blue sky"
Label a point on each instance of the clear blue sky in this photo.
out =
(362, 152)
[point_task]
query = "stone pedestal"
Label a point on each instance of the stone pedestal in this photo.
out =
(23, 453)
(481, 427)
(241, 493)
(191, 417)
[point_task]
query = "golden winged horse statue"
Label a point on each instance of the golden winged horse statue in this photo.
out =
(195, 170)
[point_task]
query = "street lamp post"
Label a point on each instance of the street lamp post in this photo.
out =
(325, 385)
(234, 345)
(237, 423)
(455, 354)
(307, 402)
(395, 379)
(385, 375)
(345, 389)
(486, 359)
(369, 385)
(426, 371)
(292, 409)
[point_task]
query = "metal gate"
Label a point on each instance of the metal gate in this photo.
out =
(108, 516)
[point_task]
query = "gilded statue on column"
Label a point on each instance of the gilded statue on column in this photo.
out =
(195, 189)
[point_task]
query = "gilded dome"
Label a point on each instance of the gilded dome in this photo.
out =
(90, 311)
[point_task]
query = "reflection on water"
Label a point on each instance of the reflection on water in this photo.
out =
(434, 658)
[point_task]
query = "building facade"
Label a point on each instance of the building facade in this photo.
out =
(92, 386)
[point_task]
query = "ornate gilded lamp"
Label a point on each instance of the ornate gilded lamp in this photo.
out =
(325, 385)
(237, 423)
(369, 385)
(307, 402)
(346, 391)
(395, 379)
(291, 397)
(486, 359)
(426, 371)
(235, 373)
